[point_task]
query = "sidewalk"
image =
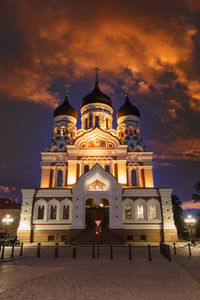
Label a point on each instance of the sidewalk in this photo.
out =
(96, 279)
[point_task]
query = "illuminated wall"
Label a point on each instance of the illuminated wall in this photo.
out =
(122, 176)
(72, 172)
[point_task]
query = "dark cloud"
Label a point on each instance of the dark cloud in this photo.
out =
(151, 48)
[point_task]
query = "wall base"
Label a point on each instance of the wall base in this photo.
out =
(170, 235)
(24, 236)
(142, 235)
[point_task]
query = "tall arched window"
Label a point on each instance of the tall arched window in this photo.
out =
(60, 178)
(130, 130)
(41, 212)
(106, 123)
(140, 211)
(66, 212)
(96, 121)
(153, 214)
(53, 212)
(86, 168)
(86, 123)
(55, 132)
(62, 130)
(107, 168)
(133, 178)
(128, 212)
(90, 120)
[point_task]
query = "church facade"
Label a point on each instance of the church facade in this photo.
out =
(97, 173)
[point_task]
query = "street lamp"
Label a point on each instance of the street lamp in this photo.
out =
(7, 220)
(190, 221)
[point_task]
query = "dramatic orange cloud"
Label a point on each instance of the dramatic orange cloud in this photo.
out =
(150, 48)
(70, 39)
(190, 205)
(178, 149)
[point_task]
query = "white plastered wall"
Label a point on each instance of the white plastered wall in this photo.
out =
(112, 193)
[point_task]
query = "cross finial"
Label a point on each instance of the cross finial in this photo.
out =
(67, 86)
(126, 87)
(96, 70)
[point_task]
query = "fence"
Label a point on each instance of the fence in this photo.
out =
(128, 252)
(94, 251)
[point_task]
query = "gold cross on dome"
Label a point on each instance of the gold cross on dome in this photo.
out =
(96, 70)
(67, 86)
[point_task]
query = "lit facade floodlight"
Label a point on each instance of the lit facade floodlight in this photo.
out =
(7, 220)
(190, 221)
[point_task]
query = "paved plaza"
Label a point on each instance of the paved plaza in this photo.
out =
(87, 278)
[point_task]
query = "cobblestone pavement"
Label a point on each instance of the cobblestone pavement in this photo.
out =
(85, 278)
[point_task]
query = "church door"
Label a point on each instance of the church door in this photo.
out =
(92, 213)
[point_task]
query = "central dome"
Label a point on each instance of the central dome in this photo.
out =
(96, 96)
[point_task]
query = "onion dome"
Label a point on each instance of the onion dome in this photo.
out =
(128, 109)
(66, 109)
(96, 96)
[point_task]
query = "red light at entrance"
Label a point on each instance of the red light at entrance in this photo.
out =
(97, 233)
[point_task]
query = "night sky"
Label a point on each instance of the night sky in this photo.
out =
(150, 48)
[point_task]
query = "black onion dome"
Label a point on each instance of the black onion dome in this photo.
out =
(127, 109)
(66, 109)
(96, 96)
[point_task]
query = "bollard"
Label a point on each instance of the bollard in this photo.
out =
(97, 251)
(38, 250)
(93, 251)
(21, 250)
(149, 252)
(74, 251)
(174, 248)
(2, 253)
(169, 254)
(111, 251)
(129, 252)
(56, 251)
(12, 250)
(189, 249)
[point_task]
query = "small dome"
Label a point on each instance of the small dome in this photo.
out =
(66, 109)
(96, 96)
(127, 109)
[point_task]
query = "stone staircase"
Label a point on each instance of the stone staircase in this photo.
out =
(104, 238)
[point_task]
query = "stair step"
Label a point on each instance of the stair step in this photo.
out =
(104, 238)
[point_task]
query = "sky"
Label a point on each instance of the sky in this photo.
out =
(149, 48)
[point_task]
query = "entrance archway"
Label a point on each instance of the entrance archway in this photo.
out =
(96, 212)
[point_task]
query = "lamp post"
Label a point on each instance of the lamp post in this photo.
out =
(7, 220)
(190, 221)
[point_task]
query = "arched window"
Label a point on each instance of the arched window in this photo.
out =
(41, 212)
(60, 178)
(130, 130)
(62, 130)
(86, 168)
(53, 212)
(86, 123)
(55, 132)
(128, 212)
(90, 120)
(96, 121)
(153, 214)
(66, 212)
(133, 178)
(140, 211)
(107, 168)
(138, 132)
(106, 123)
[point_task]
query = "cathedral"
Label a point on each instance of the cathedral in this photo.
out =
(97, 173)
